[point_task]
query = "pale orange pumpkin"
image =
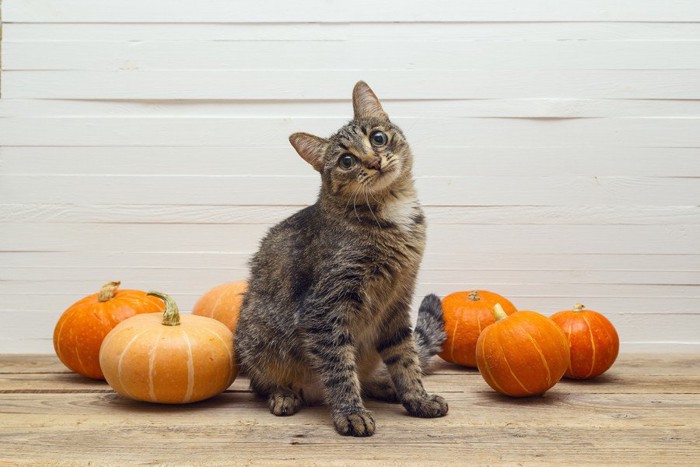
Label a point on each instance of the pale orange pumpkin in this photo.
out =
(593, 341)
(466, 314)
(82, 327)
(169, 358)
(523, 354)
(222, 303)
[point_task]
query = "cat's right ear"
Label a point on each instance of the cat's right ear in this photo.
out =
(311, 148)
(366, 104)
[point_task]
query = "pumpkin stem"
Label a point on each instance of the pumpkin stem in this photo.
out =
(107, 291)
(474, 296)
(498, 312)
(171, 315)
(579, 307)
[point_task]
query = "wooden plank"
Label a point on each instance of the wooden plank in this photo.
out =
(464, 31)
(321, 55)
(218, 11)
(532, 294)
(187, 288)
(390, 84)
(266, 214)
(460, 239)
(446, 190)
(470, 261)
(244, 132)
(275, 161)
(341, 108)
(308, 438)
(210, 274)
(31, 363)
(608, 420)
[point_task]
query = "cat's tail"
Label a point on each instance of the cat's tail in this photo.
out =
(430, 329)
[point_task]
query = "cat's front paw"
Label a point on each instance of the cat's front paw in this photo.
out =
(431, 406)
(360, 423)
(284, 403)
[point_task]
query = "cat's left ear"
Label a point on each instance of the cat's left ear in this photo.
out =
(311, 148)
(366, 104)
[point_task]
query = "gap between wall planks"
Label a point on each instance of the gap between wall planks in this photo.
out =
(643, 411)
(556, 147)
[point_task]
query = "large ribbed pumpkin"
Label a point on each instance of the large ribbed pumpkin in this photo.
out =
(593, 341)
(169, 358)
(523, 354)
(82, 327)
(222, 303)
(466, 314)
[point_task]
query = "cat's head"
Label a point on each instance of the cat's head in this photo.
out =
(368, 155)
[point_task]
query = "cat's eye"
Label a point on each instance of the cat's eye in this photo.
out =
(378, 138)
(347, 161)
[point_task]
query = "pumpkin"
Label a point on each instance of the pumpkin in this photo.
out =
(466, 315)
(82, 327)
(593, 341)
(222, 303)
(169, 358)
(523, 354)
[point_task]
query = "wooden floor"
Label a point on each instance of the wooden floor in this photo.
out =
(646, 410)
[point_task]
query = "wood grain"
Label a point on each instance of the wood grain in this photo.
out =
(502, 31)
(395, 84)
(636, 414)
(279, 11)
(448, 55)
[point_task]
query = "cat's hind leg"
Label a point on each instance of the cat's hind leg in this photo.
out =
(380, 387)
(282, 401)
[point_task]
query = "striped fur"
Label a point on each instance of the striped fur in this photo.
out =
(330, 287)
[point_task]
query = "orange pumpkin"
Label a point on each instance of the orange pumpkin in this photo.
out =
(169, 358)
(222, 303)
(466, 315)
(523, 354)
(82, 327)
(593, 341)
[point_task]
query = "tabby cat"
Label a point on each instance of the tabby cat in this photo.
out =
(330, 287)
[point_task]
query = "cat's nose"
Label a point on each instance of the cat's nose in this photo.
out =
(375, 163)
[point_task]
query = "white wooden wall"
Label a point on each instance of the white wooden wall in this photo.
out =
(557, 146)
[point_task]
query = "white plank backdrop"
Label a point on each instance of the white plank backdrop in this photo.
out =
(557, 146)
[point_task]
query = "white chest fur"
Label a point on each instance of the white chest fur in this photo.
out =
(401, 211)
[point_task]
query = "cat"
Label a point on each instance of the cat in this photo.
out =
(331, 286)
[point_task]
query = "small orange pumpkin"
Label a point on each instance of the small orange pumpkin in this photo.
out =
(523, 354)
(222, 303)
(82, 327)
(593, 341)
(169, 358)
(466, 315)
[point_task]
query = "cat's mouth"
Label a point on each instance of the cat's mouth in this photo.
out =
(382, 179)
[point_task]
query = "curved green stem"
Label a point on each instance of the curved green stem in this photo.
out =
(171, 315)
(498, 312)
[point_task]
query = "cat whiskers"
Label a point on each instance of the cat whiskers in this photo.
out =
(354, 200)
(367, 192)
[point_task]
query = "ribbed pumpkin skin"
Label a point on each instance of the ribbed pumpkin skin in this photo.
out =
(522, 355)
(466, 315)
(145, 360)
(83, 326)
(593, 342)
(222, 303)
